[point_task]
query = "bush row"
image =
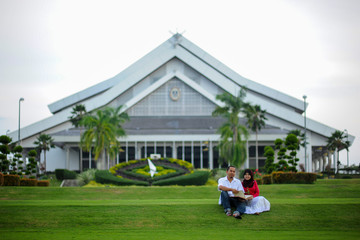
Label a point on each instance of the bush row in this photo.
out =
(15, 180)
(62, 174)
(196, 178)
(105, 177)
(289, 177)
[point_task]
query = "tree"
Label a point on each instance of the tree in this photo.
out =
(269, 153)
(4, 151)
(102, 130)
(233, 135)
(78, 113)
(301, 137)
(292, 144)
(336, 142)
(43, 143)
(255, 120)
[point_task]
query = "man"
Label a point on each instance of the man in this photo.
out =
(229, 186)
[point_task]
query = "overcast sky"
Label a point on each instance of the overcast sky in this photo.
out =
(52, 49)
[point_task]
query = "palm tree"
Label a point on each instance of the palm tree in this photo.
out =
(255, 120)
(78, 113)
(102, 130)
(232, 145)
(43, 143)
(336, 142)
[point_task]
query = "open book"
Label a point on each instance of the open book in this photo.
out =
(242, 195)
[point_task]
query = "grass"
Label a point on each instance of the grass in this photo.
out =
(328, 209)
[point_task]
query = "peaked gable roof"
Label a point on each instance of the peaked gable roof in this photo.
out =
(274, 102)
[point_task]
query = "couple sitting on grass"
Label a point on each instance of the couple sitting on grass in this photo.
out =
(231, 186)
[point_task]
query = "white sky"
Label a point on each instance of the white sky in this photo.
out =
(52, 49)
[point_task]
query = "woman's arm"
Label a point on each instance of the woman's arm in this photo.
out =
(256, 189)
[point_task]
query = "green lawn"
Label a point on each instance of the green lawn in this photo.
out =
(328, 209)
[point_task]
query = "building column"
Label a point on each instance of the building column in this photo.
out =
(211, 158)
(164, 155)
(174, 150)
(67, 164)
(127, 152)
(201, 155)
(81, 159)
(192, 153)
(183, 151)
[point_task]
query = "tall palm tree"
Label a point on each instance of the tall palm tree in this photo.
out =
(102, 130)
(255, 120)
(336, 142)
(43, 143)
(78, 113)
(233, 135)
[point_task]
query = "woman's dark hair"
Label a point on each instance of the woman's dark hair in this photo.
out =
(248, 183)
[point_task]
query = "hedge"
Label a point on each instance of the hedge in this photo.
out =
(11, 180)
(62, 174)
(28, 182)
(1, 179)
(266, 179)
(196, 178)
(43, 183)
(292, 177)
(105, 177)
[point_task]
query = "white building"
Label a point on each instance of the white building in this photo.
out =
(169, 95)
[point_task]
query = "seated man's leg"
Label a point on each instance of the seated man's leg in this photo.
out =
(225, 201)
(240, 206)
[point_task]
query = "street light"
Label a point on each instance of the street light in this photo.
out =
(304, 97)
(7, 132)
(347, 149)
(20, 100)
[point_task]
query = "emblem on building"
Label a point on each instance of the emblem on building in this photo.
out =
(175, 93)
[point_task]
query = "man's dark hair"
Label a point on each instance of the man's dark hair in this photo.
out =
(230, 167)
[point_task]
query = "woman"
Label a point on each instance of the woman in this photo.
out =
(255, 204)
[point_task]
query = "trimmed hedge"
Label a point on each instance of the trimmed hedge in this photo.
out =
(292, 177)
(266, 179)
(28, 182)
(1, 179)
(62, 174)
(43, 183)
(259, 181)
(105, 177)
(196, 178)
(11, 180)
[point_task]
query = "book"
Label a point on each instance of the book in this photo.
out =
(242, 195)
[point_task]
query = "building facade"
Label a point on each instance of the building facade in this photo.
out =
(170, 95)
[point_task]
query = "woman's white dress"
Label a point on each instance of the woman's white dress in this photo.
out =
(257, 205)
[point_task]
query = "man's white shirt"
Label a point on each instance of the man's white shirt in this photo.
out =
(235, 184)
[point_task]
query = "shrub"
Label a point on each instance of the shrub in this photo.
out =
(292, 177)
(1, 179)
(259, 181)
(28, 182)
(196, 178)
(104, 176)
(43, 183)
(266, 179)
(62, 174)
(11, 180)
(85, 177)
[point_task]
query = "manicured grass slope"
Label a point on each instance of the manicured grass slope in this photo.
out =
(328, 209)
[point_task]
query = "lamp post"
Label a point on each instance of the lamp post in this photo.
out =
(20, 100)
(7, 132)
(347, 149)
(304, 97)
